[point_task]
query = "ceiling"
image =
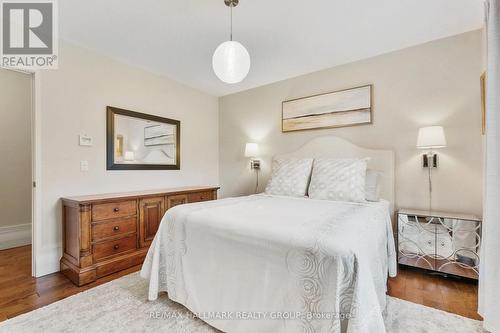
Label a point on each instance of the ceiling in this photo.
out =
(285, 38)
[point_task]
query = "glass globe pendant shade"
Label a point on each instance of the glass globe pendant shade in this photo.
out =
(231, 62)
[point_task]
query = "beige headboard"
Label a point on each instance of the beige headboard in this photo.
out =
(335, 147)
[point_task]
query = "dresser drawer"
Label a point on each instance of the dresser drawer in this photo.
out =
(176, 200)
(200, 196)
(112, 210)
(106, 249)
(112, 228)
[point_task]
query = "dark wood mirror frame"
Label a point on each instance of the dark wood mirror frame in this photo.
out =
(110, 141)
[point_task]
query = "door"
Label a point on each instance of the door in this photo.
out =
(151, 211)
(16, 154)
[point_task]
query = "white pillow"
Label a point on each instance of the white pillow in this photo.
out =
(372, 188)
(338, 179)
(290, 177)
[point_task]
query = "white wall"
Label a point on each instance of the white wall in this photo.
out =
(436, 83)
(73, 100)
(15, 155)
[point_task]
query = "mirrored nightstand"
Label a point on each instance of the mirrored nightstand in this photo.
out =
(441, 242)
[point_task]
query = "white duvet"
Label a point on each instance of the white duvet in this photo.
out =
(276, 264)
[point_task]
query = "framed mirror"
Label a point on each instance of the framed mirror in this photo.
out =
(138, 141)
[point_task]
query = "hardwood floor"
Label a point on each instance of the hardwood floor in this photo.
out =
(20, 293)
(449, 294)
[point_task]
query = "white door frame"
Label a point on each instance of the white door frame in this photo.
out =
(36, 158)
(35, 164)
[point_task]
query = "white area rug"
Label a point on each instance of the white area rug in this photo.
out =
(121, 306)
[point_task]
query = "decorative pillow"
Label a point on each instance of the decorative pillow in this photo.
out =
(372, 188)
(338, 179)
(290, 177)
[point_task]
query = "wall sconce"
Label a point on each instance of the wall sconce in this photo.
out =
(252, 150)
(430, 138)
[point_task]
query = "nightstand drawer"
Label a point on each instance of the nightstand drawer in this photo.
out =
(442, 242)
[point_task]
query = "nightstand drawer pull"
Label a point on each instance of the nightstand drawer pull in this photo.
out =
(116, 228)
(116, 247)
(116, 209)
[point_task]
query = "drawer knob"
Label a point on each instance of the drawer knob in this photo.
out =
(116, 209)
(116, 228)
(116, 247)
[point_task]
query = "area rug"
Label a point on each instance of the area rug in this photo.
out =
(121, 306)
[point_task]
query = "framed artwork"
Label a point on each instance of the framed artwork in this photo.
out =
(342, 108)
(483, 103)
(138, 141)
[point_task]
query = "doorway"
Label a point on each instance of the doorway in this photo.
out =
(16, 169)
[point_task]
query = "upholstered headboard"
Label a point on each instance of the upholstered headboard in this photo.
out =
(335, 147)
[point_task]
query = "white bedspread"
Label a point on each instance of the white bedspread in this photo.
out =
(276, 264)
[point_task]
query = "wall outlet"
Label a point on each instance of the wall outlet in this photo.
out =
(84, 166)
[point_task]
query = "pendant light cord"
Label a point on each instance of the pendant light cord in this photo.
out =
(231, 36)
(431, 164)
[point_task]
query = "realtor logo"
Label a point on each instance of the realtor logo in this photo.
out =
(29, 34)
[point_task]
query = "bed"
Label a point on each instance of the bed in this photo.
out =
(268, 263)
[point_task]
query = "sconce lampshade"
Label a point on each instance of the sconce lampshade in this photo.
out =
(251, 150)
(129, 156)
(431, 137)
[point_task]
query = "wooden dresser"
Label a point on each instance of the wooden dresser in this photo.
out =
(106, 233)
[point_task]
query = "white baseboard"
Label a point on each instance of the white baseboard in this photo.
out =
(47, 260)
(15, 235)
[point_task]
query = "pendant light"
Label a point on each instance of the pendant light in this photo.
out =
(231, 61)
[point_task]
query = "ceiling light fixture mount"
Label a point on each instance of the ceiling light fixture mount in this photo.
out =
(231, 61)
(231, 3)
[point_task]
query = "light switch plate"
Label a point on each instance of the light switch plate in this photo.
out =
(85, 140)
(84, 166)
